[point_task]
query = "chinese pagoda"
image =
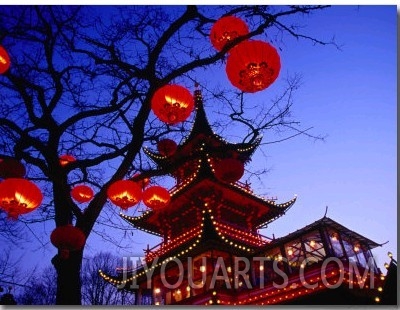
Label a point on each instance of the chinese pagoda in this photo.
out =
(212, 252)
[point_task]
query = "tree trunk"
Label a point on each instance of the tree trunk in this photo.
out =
(68, 278)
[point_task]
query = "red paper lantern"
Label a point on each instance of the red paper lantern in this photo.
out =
(172, 104)
(167, 147)
(82, 193)
(229, 170)
(66, 159)
(156, 197)
(226, 29)
(4, 60)
(11, 168)
(67, 238)
(124, 193)
(19, 196)
(253, 66)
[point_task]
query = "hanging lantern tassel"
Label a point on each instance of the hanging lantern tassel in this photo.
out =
(253, 66)
(124, 193)
(227, 29)
(19, 196)
(67, 238)
(156, 197)
(172, 104)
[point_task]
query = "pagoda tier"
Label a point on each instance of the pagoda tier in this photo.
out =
(209, 234)
(183, 162)
(232, 204)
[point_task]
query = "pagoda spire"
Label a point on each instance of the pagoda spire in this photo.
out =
(201, 124)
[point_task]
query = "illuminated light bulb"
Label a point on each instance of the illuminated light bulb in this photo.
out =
(386, 265)
(377, 299)
(157, 290)
(312, 243)
(380, 289)
(390, 254)
(290, 252)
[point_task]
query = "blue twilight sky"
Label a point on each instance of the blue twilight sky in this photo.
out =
(349, 95)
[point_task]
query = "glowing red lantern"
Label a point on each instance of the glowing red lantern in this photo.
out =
(67, 238)
(66, 159)
(4, 60)
(226, 29)
(19, 196)
(11, 168)
(229, 170)
(167, 147)
(172, 104)
(143, 182)
(156, 197)
(253, 66)
(124, 193)
(82, 193)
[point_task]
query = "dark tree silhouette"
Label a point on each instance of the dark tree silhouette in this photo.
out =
(40, 289)
(96, 291)
(81, 82)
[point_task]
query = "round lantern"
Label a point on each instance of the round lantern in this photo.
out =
(156, 197)
(143, 182)
(167, 147)
(226, 29)
(67, 238)
(66, 159)
(229, 170)
(11, 168)
(172, 104)
(253, 66)
(19, 196)
(4, 60)
(82, 193)
(124, 193)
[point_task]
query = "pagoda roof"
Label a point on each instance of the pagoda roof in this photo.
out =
(233, 201)
(210, 233)
(325, 222)
(201, 134)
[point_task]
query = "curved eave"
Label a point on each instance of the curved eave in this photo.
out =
(140, 272)
(248, 149)
(157, 158)
(140, 222)
(279, 210)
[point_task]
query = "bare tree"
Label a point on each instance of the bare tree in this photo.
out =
(96, 291)
(81, 82)
(40, 288)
